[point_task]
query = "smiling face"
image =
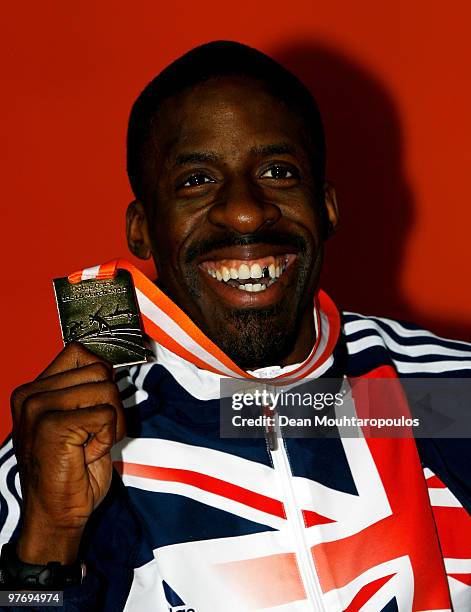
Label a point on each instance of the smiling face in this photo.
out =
(232, 219)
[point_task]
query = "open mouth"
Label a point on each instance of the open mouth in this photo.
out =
(254, 276)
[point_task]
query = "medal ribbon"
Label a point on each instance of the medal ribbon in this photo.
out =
(170, 327)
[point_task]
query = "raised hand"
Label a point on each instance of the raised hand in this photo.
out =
(64, 425)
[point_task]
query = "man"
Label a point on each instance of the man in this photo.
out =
(226, 160)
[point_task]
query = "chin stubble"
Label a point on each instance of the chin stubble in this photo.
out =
(258, 337)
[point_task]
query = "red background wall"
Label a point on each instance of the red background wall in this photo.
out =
(392, 79)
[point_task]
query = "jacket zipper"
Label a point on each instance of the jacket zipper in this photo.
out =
(309, 577)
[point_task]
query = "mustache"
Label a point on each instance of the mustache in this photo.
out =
(203, 247)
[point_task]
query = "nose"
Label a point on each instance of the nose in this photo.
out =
(243, 210)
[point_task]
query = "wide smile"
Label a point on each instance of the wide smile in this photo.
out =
(249, 282)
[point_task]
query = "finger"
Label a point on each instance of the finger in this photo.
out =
(101, 442)
(71, 399)
(94, 372)
(58, 431)
(74, 355)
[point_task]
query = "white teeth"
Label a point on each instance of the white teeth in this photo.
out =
(244, 272)
(252, 288)
(255, 271)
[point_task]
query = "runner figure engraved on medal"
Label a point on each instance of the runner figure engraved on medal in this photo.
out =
(101, 321)
(103, 315)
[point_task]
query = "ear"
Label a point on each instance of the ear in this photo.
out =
(137, 230)
(330, 201)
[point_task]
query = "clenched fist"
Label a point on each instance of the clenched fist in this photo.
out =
(64, 425)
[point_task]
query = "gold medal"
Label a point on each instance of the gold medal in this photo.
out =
(103, 315)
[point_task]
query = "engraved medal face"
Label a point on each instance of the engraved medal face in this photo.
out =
(104, 316)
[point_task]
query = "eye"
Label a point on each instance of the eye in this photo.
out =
(279, 173)
(195, 180)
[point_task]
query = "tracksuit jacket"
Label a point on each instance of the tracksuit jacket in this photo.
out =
(197, 523)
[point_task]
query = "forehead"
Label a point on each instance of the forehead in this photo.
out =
(223, 113)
